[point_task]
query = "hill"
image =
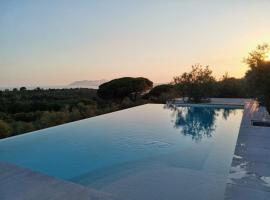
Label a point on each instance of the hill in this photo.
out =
(87, 83)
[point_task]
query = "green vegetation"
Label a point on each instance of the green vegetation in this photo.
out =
(28, 110)
(229, 87)
(5, 129)
(161, 93)
(199, 91)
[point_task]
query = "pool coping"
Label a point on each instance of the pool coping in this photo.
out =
(227, 102)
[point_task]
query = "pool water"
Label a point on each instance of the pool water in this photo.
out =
(146, 152)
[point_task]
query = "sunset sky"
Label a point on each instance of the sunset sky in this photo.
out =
(55, 42)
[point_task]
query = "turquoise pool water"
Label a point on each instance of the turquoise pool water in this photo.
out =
(150, 146)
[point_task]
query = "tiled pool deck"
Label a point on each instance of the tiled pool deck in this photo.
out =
(249, 177)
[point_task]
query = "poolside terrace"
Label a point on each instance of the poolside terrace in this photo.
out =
(249, 177)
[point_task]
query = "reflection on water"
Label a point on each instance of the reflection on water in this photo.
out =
(226, 113)
(197, 122)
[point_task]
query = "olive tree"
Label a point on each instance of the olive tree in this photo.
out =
(197, 85)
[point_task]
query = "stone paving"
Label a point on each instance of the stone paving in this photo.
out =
(17, 183)
(249, 177)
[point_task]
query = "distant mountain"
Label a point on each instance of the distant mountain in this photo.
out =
(88, 83)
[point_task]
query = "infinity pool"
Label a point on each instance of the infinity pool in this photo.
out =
(146, 152)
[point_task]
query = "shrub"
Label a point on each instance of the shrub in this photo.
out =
(5, 129)
(124, 87)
